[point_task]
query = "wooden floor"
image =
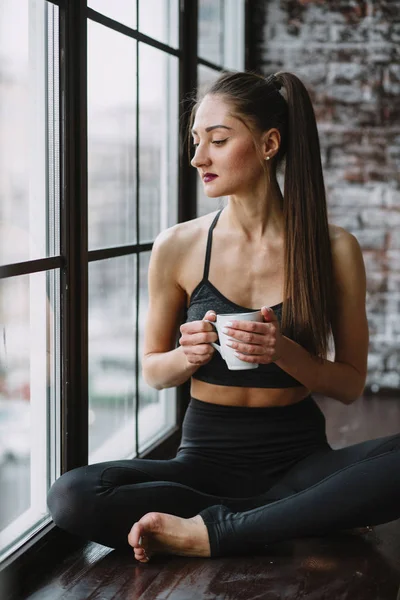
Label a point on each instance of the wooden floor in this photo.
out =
(346, 567)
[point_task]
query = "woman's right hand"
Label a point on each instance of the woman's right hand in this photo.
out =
(196, 338)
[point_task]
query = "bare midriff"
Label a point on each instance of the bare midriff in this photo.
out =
(241, 396)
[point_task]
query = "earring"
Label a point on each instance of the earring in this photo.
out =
(267, 158)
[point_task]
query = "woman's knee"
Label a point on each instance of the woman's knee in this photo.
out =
(68, 499)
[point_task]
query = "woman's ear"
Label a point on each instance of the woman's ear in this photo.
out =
(271, 142)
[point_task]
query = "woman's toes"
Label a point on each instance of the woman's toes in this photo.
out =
(136, 540)
(134, 535)
(141, 557)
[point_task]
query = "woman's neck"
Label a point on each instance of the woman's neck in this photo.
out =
(256, 217)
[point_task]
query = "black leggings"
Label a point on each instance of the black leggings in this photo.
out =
(255, 475)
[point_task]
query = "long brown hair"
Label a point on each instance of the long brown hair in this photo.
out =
(308, 292)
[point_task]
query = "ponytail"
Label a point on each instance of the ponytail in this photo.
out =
(308, 260)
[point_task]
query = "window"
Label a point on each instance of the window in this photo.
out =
(30, 302)
(220, 46)
(120, 10)
(132, 196)
(92, 173)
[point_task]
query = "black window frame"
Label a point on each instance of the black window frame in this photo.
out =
(49, 545)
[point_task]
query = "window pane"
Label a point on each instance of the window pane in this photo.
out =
(211, 30)
(157, 409)
(159, 19)
(206, 77)
(28, 76)
(112, 295)
(205, 204)
(158, 130)
(111, 137)
(29, 397)
(112, 382)
(234, 21)
(123, 11)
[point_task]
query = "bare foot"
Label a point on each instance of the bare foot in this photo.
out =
(167, 534)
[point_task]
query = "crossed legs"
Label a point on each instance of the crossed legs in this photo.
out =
(101, 502)
(176, 511)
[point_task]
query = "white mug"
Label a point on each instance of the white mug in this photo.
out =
(228, 354)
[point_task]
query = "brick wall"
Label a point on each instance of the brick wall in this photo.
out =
(347, 53)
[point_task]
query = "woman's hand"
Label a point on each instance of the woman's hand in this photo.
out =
(195, 340)
(256, 342)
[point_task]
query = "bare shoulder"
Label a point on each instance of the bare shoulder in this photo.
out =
(177, 239)
(177, 244)
(347, 258)
(342, 242)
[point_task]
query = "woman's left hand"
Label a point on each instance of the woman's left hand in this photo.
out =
(256, 342)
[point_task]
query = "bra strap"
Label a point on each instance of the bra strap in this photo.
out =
(209, 244)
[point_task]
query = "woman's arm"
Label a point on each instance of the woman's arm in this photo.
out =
(167, 369)
(343, 378)
(164, 365)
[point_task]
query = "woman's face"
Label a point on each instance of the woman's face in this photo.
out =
(225, 156)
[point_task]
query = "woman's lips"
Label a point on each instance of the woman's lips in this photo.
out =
(209, 177)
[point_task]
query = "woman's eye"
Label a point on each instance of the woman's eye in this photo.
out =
(216, 142)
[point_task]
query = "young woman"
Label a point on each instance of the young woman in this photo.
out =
(254, 466)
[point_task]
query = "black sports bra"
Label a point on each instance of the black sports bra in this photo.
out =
(206, 297)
